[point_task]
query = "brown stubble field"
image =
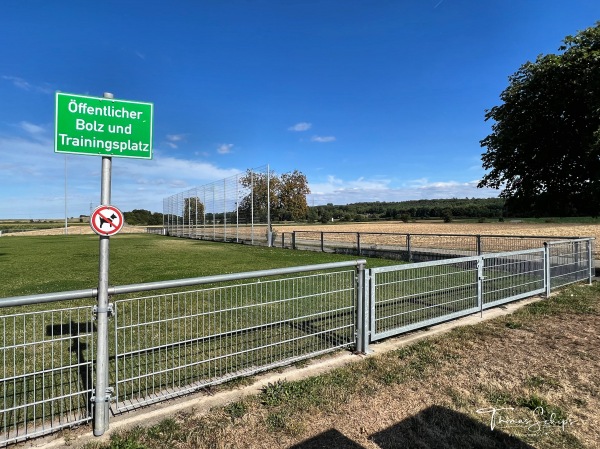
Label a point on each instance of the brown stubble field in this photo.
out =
(436, 227)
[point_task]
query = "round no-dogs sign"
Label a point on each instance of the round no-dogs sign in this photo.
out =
(106, 220)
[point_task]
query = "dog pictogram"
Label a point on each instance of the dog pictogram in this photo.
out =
(106, 220)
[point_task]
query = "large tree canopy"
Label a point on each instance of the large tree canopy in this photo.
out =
(286, 195)
(544, 149)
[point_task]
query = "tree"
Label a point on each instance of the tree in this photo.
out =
(262, 191)
(293, 188)
(143, 217)
(193, 211)
(544, 149)
(286, 196)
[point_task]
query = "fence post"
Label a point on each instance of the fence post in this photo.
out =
(322, 242)
(547, 271)
(293, 239)
(408, 247)
(362, 322)
(480, 263)
(358, 243)
(590, 255)
(478, 245)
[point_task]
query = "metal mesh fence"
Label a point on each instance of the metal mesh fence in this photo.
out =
(165, 345)
(424, 247)
(233, 209)
(171, 344)
(47, 374)
(411, 247)
(570, 261)
(512, 275)
(407, 297)
(506, 243)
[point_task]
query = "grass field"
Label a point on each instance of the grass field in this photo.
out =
(43, 264)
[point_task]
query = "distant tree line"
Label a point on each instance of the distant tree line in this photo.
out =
(447, 209)
(142, 217)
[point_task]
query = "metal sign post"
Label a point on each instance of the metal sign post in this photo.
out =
(102, 392)
(109, 128)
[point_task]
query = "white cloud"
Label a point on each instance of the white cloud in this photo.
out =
(338, 191)
(299, 127)
(176, 137)
(30, 128)
(25, 85)
(18, 82)
(225, 148)
(173, 139)
(322, 139)
(32, 179)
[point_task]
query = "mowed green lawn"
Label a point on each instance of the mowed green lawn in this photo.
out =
(33, 265)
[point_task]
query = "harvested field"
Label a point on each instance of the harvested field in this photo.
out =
(506, 228)
(73, 230)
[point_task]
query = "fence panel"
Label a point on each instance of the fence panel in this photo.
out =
(47, 374)
(507, 243)
(407, 297)
(570, 261)
(511, 276)
(171, 344)
(232, 209)
(426, 247)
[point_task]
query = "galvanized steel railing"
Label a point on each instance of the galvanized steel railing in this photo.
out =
(408, 297)
(411, 247)
(47, 372)
(166, 344)
(175, 343)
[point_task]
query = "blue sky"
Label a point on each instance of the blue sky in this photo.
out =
(379, 100)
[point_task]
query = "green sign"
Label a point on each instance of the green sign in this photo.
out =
(102, 127)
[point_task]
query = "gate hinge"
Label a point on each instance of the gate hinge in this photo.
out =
(110, 311)
(107, 396)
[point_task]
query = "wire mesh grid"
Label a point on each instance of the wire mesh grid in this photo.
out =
(170, 344)
(406, 297)
(569, 261)
(508, 243)
(47, 371)
(437, 247)
(231, 209)
(509, 276)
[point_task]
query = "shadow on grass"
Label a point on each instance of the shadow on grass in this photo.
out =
(435, 427)
(329, 439)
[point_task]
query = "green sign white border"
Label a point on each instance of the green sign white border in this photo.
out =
(102, 99)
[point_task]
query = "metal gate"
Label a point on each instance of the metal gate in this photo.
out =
(403, 298)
